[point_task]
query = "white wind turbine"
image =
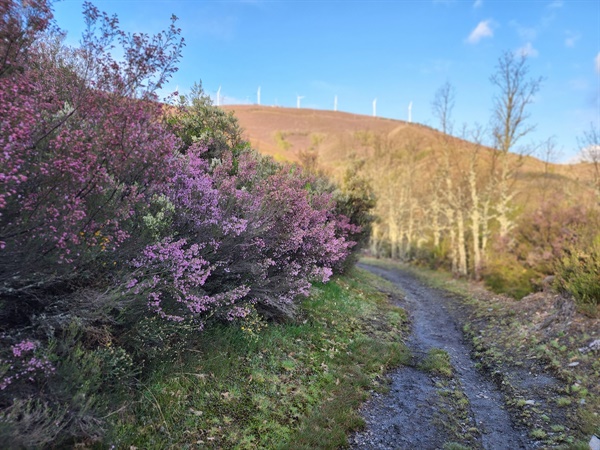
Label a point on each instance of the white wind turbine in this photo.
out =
(258, 96)
(219, 96)
(335, 103)
(298, 98)
(375, 108)
(410, 112)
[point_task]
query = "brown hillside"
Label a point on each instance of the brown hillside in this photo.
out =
(286, 132)
(432, 190)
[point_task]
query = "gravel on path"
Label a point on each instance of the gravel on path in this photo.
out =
(408, 416)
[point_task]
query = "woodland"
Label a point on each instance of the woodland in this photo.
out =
(481, 201)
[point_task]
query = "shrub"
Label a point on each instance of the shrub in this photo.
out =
(124, 230)
(245, 233)
(196, 121)
(578, 274)
(72, 177)
(505, 275)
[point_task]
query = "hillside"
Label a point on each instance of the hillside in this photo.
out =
(439, 198)
(285, 133)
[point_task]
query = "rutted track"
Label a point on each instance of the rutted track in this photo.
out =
(408, 417)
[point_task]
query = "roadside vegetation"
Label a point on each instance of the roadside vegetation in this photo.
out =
(295, 385)
(131, 227)
(542, 352)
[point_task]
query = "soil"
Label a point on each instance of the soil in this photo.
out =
(423, 410)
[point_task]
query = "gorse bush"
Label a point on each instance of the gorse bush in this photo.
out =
(127, 226)
(578, 274)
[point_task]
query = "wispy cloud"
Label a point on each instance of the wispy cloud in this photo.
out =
(556, 4)
(478, 4)
(571, 39)
(482, 30)
(524, 32)
(597, 63)
(433, 66)
(528, 51)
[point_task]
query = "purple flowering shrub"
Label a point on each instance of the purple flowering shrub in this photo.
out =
(82, 145)
(22, 363)
(124, 222)
(240, 239)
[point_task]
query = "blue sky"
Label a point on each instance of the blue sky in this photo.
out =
(398, 51)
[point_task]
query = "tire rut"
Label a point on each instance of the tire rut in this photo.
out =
(408, 417)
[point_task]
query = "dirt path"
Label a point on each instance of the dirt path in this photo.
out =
(423, 411)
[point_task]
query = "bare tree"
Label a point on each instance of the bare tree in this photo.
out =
(590, 153)
(442, 106)
(516, 91)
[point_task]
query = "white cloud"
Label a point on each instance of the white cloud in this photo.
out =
(477, 3)
(482, 30)
(525, 33)
(597, 63)
(528, 51)
(571, 39)
(556, 4)
(229, 100)
(590, 153)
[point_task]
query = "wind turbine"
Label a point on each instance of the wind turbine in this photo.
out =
(219, 96)
(258, 96)
(375, 107)
(410, 112)
(298, 98)
(335, 103)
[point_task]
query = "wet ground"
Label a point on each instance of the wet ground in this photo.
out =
(421, 411)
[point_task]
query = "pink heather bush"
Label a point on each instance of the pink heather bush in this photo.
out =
(23, 365)
(91, 169)
(111, 210)
(114, 207)
(79, 153)
(242, 240)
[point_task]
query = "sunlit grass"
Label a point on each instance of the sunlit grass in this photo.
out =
(294, 385)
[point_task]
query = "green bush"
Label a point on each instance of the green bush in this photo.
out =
(93, 377)
(505, 275)
(578, 274)
(431, 256)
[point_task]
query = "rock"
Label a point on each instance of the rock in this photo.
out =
(530, 402)
(547, 283)
(574, 364)
(594, 443)
(592, 346)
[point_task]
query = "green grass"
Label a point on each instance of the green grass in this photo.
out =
(289, 386)
(437, 362)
